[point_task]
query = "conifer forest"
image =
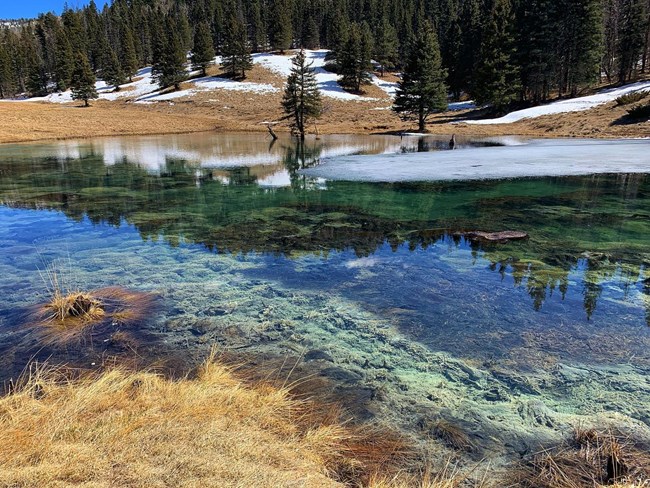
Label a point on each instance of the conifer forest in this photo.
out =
(501, 52)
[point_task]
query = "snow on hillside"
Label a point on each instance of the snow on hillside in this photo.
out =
(327, 82)
(142, 85)
(207, 84)
(571, 105)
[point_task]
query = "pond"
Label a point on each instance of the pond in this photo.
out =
(378, 288)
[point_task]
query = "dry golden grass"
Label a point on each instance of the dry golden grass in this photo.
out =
(124, 429)
(139, 429)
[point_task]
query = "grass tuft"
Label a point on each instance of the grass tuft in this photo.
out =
(591, 458)
(633, 97)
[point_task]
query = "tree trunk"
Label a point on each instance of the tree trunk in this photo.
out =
(86, 104)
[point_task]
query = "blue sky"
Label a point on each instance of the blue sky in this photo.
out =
(16, 9)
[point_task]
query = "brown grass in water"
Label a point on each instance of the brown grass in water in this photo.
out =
(139, 429)
(69, 315)
(590, 459)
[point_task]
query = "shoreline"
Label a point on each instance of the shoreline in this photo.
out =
(29, 122)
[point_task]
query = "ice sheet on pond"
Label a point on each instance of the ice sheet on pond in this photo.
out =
(537, 158)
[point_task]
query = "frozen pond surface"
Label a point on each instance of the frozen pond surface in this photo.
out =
(534, 159)
(373, 287)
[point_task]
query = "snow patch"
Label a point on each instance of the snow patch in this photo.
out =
(327, 82)
(564, 106)
(209, 83)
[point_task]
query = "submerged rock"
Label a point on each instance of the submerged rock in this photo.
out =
(503, 236)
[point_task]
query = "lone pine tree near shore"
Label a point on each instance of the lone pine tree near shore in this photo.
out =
(302, 100)
(422, 90)
(83, 80)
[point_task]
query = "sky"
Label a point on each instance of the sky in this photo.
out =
(16, 9)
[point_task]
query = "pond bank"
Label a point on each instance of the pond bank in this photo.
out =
(28, 122)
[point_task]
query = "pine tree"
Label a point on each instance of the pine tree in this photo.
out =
(311, 39)
(452, 47)
(236, 55)
(281, 33)
(128, 53)
(302, 99)
(6, 73)
(111, 70)
(497, 77)
(422, 90)
(83, 80)
(170, 70)
(64, 61)
(387, 46)
(354, 60)
(537, 55)
(631, 39)
(257, 27)
(183, 29)
(203, 53)
(37, 78)
(471, 20)
(579, 42)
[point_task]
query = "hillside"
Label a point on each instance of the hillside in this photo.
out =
(215, 102)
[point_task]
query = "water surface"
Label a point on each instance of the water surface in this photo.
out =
(373, 284)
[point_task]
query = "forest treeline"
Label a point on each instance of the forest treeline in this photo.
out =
(496, 51)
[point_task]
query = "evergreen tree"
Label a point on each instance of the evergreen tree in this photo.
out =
(83, 80)
(37, 79)
(64, 61)
(257, 27)
(387, 46)
(281, 33)
(537, 55)
(580, 44)
(452, 47)
(311, 38)
(236, 55)
(354, 60)
(302, 100)
(6, 72)
(203, 53)
(632, 33)
(183, 29)
(170, 71)
(422, 90)
(471, 19)
(497, 77)
(111, 70)
(128, 53)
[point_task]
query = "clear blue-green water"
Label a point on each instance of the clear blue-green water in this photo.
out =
(369, 285)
